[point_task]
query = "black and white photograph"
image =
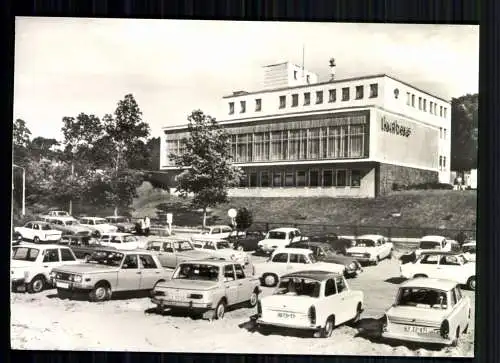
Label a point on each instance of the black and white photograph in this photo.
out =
(247, 187)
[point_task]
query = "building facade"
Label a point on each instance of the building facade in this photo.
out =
(354, 137)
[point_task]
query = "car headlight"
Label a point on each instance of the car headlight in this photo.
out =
(78, 278)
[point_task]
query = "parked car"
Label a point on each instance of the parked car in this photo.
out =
(325, 253)
(207, 287)
(123, 224)
(247, 241)
(108, 271)
(172, 251)
(469, 250)
(222, 249)
(122, 241)
(31, 265)
(57, 213)
(371, 248)
(329, 238)
(38, 231)
(98, 225)
(315, 301)
(445, 265)
(215, 232)
(432, 243)
(82, 246)
(279, 238)
(68, 225)
(428, 311)
(288, 260)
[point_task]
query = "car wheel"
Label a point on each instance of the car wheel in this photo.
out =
(254, 298)
(36, 285)
(471, 283)
(99, 293)
(270, 280)
(327, 330)
(63, 294)
(220, 310)
(356, 318)
(36, 239)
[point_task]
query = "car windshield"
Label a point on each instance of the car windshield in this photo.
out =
(365, 243)
(422, 298)
(191, 271)
(327, 250)
(276, 235)
(183, 246)
(108, 258)
(312, 258)
(469, 249)
(429, 245)
(298, 286)
(25, 254)
(222, 245)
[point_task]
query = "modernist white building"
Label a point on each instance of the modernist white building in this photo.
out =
(355, 137)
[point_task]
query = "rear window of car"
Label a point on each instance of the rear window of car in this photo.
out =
(276, 235)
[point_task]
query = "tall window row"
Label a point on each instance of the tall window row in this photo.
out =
(431, 107)
(333, 142)
(314, 177)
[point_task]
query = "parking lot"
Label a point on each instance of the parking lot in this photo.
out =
(43, 321)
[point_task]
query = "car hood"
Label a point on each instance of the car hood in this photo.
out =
(413, 314)
(360, 249)
(194, 254)
(86, 268)
(326, 266)
(287, 302)
(340, 259)
(188, 284)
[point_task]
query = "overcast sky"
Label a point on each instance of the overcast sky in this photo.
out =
(64, 66)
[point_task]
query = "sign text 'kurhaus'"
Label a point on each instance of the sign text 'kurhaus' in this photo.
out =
(394, 128)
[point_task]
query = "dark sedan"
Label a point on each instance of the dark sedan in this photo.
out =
(247, 241)
(82, 246)
(324, 252)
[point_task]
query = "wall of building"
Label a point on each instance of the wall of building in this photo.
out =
(387, 175)
(410, 144)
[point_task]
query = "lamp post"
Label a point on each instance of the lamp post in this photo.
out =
(23, 211)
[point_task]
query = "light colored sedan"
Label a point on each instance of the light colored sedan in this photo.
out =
(428, 311)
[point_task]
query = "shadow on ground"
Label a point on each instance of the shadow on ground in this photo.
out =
(116, 296)
(395, 280)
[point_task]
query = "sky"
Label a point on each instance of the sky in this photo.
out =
(65, 66)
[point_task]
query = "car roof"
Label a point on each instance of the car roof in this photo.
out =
(313, 243)
(115, 217)
(471, 243)
(170, 239)
(93, 218)
(432, 238)
(289, 250)
(370, 236)
(41, 246)
(218, 225)
(313, 275)
(39, 222)
(283, 229)
(433, 283)
(212, 261)
(119, 234)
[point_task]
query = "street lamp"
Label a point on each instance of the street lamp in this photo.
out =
(23, 211)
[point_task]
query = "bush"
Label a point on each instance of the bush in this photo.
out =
(243, 219)
(422, 186)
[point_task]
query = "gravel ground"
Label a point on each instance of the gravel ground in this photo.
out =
(44, 322)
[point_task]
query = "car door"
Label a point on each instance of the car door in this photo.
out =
(244, 286)
(463, 307)
(428, 265)
(333, 304)
(449, 267)
(26, 231)
(129, 275)
(51, 259)
(345, 306)
(230, 284)
(296, 262)
(169, 257)
(150, 272)
(279, 263)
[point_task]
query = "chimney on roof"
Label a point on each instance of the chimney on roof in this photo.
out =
(332, 66)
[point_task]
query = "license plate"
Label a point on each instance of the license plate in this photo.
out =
(62, 285)
(417, 330)
(286, 315)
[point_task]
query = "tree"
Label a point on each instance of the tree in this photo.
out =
(125, 137)
(43, 148)
(80, 135)
(464, 132)
(21, 141)
(244, 219)
(206, 163)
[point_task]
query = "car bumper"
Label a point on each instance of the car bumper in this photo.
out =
(188, 305)
(71, 286)
(418, 339)
(17, 283)
(260, 322)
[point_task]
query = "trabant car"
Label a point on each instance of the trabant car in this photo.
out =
(68, 225)
(445, 265)
(288, 260)
(99, 226)
(279, 238)
(208, 287)
(429, 311)
(221, 249)
(31, 264)
(371, 248)
(172, 251)
(82, 246)
(122, 223)
(38, 231)
(215, 232)
(432, 243)
(122, 241)
(108, 271)
(315, 301)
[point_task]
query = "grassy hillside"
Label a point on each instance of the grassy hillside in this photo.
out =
(433, 209)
